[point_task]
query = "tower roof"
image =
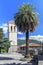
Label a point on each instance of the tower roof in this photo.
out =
(11, 22)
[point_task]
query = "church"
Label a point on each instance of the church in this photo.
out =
(12, 34)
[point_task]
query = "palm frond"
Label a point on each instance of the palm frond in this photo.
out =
(25, 18)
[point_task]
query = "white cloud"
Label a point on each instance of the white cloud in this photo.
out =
(22, 38)
(5, 25)
(19, 33)
(5, 28)
(37, 37)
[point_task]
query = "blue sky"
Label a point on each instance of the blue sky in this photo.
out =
(9, 7)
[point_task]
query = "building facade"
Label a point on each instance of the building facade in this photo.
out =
(12, 34)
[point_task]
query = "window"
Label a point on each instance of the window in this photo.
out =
(14, 28)
(11, 28)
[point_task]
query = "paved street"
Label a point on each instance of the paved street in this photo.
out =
(14, 59)
(40, 62)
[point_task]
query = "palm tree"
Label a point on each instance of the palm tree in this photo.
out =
(26, 20)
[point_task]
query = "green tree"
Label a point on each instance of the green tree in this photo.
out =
(6, 44)
(26, 20)
(1, 39)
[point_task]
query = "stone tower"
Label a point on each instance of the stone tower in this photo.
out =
(12, 32)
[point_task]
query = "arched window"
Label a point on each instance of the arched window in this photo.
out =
(11, 28)
(14, 28)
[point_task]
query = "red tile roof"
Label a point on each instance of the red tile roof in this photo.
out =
(31, 45)
(11, 22)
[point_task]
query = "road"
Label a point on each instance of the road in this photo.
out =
(14, 59)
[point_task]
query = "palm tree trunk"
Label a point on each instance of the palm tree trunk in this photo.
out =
(27, 45)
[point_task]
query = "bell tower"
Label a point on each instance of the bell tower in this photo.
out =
(12, 31)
